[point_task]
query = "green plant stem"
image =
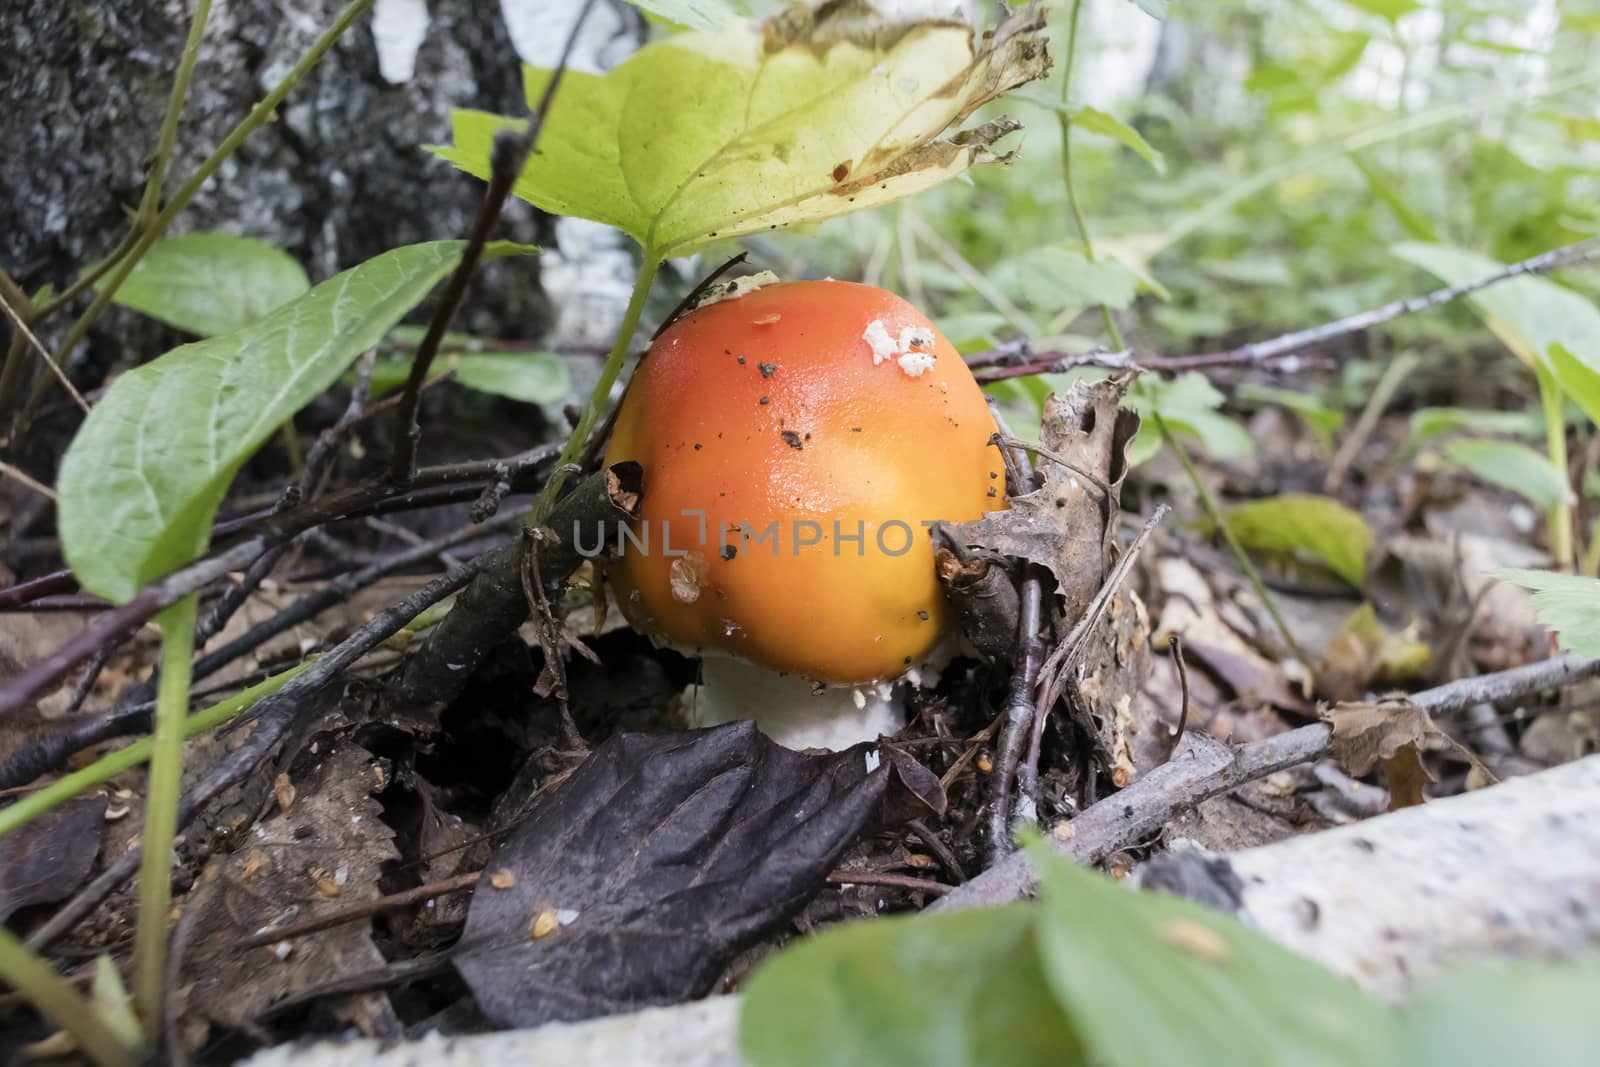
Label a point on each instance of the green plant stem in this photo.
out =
(161, 809)
(602, 390)
(1591, 558)
(169, 123)
(61, 1004)
(1214, 512)
(149, 235)
(107, 767)
(1555, 430)
(1064, 118)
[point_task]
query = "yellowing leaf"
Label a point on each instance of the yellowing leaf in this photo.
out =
(751, 127)
(1365, 653)
(1317, 526)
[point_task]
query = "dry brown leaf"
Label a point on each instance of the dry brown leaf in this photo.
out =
(1389, 732)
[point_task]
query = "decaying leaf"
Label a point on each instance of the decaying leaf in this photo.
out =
(46, 860)
(324, 852)
(1365, 653)
(749, 127)
(662, 857)
(1069, 525)
(1390, 732)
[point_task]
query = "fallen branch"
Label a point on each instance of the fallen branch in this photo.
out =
(1202, 768)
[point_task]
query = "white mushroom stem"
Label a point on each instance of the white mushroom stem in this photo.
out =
(790, 709)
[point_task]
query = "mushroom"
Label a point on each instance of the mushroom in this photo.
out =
(798, 440)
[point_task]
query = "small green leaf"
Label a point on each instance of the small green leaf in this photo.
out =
(1317, 526)
(1156, 9)
(1511, 466)
(963, 989)
(1151, 979)
(705, 136)
(144, 475)
(1049, 278)
(531, 377)
(1533, 1013)
(1188, 404)
(1093, 120)
(1431, 422)
(1528, 314)
(211, 283)
(1580, 381)
(1566, 603)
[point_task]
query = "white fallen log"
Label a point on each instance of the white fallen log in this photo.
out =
(1510, 871)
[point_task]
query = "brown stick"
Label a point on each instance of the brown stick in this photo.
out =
(1203, 768)
(366, 910)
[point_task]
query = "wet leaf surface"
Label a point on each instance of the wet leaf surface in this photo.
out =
(643, 874)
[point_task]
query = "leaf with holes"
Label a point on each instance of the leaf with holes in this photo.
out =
(755, 126)
(212, 283)
(144, 475)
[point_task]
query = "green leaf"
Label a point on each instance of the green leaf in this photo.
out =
(963, 989)
(1317, 526)
(1567, 604)
(1156, 9)
(531, 377)
(1386, 9)
(1580, 381)
(1049, 278)
(144, 475)
(693, 14)
(1093, 120)
(706, 136)
(1431, 422)
(1188, 404)
(1152, 979)
(211, 283)
(1529, 314)
(1532, 1013)
(1511, 466)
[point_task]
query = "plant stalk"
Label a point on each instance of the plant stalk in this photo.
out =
(161, 809)
(602, 390)
(151, 200)
(1555, 429)
(61, 1004)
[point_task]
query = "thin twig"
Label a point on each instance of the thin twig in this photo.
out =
(1052, 363)
(693, 296)
(1382, 396)
(273, 716)
(22, 476)
(49, 361)
(1175, 645)
(884, 878)
(1300, 340)
(365, 910)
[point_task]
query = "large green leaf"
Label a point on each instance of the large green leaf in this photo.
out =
(705, 136)
(1150, 979)
(143, 477)
(211, 283)
(1512, 466)
(1317, 526)
(1566, 603)
(963, 989)
(1529, 315)
(1522, 1013)
(532, 377)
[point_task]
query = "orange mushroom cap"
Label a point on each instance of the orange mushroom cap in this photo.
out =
(797, 417)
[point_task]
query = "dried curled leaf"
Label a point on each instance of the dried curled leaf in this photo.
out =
(750, 127)
(1390, 732)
